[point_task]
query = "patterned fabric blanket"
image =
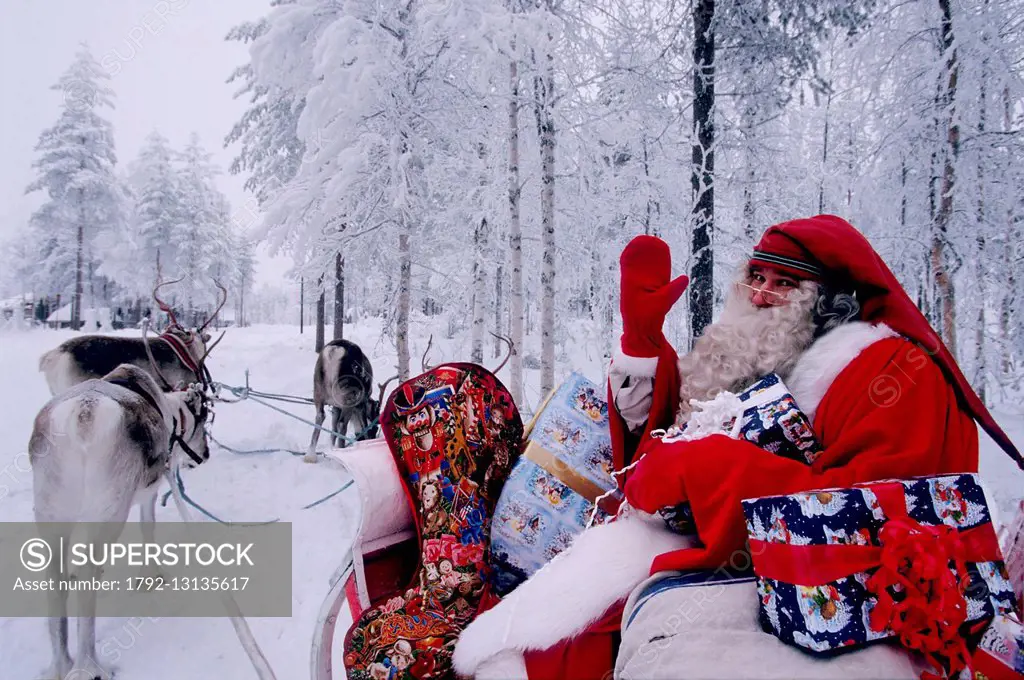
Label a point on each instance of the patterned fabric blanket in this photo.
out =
(454, 433)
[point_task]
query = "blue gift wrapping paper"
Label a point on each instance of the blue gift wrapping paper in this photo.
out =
(537, 516)
(836, 615)
(773, 422)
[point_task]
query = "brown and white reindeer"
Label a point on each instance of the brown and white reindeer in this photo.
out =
(96, 450)
(179, 353)
(343, 379)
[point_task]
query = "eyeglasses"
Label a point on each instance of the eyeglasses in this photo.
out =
(770, 296)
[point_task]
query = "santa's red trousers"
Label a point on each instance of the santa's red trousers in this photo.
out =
(588, 656)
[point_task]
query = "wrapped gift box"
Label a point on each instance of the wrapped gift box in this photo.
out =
(549, 496)
(1013, 552)
(772, 420)
(1000, 653)
(819, 559)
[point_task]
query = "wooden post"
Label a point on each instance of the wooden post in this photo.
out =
(320, 313)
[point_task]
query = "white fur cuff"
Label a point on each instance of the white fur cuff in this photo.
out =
(506, 665)
(639, 367)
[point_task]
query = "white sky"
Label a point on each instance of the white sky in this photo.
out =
(169, 63)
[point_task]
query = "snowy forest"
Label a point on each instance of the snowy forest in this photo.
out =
(482, 164)
(104, 238)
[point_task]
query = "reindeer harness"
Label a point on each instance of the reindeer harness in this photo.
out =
(178, 437)
(180, 348)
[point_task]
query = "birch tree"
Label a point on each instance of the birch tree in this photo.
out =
(943, 267)
(515, 229)
(702, 172)
(544, 114)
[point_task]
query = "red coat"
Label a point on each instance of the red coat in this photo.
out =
(889, 413)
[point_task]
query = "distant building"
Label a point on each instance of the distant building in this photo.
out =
(18, 310)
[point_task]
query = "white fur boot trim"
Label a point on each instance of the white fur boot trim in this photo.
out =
(638, 367)
(569, 593)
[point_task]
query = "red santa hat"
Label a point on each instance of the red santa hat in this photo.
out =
(829, 248)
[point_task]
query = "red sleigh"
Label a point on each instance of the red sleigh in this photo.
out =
(384, 551)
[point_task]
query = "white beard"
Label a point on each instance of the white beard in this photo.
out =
(746, 343)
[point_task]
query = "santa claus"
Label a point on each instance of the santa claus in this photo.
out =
(817, 305)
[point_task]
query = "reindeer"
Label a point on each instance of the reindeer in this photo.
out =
(179, 353)
(96, 450)
(342, 380)
(348, 391)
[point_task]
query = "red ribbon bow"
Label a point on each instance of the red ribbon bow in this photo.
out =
(916, 563)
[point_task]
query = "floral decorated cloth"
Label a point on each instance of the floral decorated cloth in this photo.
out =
(549, 497)
(1000, 653)
(768, 417)
(916, 559)
(455, 433)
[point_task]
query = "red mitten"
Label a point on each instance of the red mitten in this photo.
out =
(646, 295)
(657, 480)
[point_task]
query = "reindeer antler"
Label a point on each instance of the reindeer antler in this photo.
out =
(152, 362)
(511, 348)
(423, 361)
(164, 307)
(224, 299)
(210, 348)
(383, 386)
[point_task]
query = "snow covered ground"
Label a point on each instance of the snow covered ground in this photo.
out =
(260, 487)
(233, 487)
